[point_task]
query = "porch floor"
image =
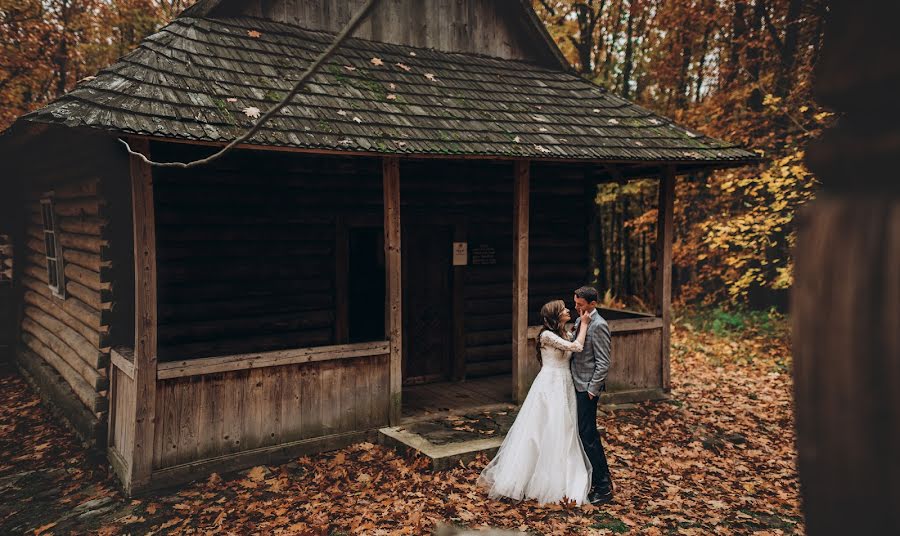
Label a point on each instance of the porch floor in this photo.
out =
(433, 399)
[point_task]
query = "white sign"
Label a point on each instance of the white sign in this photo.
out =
(460, 253)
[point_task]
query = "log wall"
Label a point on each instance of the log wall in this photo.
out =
(7, 300)
(246, 249)
(70, 335)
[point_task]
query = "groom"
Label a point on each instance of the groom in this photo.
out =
(589, 369)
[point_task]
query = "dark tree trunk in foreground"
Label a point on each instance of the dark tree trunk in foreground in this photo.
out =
(846, 299)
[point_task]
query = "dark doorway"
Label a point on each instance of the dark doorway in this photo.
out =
(366, 285)
(427, 303)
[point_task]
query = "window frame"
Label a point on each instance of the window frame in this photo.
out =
(56, 277)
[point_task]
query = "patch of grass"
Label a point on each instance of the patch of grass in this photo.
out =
(729, 322)
(223, 109)
(606, 521)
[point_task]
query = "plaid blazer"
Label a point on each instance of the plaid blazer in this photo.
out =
(591, 365)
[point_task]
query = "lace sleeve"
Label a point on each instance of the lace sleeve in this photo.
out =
(553, 340)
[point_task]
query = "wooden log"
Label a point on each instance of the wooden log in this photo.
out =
(88, 261)
(88, 296)
(246, 344)
(90, 354)
(82, 389)
(81, 189)
(520, 355)
(80, 206)
(86, 314)
(664, 239)
(43, 303)
(88, 278)
(294, 321)
(394, 314)
(89, 226)
(89, 374)
(83, 242)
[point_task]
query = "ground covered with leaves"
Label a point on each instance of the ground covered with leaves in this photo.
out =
(718, 458)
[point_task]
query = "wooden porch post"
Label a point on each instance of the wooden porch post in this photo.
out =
(392, 258)
(145, 329)
(664, 238)
(521, 193)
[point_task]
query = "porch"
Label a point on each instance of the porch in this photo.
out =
(258, 334)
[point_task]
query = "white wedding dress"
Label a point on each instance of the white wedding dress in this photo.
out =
(541, 457)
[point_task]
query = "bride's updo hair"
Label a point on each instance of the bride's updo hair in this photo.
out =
(550, 318)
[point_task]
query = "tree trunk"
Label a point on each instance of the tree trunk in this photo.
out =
(789, 51)
(629, 50)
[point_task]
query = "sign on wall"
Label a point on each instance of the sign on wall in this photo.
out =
(484, 254)
(460, 253)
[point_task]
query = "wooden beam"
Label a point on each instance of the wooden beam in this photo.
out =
(274, 358)
(521, 198)
(145, 330)
(392, 257)
(459, 325)
(342, 281)
(664, 238)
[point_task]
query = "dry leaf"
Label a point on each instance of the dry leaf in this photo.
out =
(251, 112)
(349, 67)
(391, 96)
(341, 112)
(431, 77)
(412, 53)
(404, 67)
(43, 528)
(358, 120)
(517, 139)
(257, 474)
(254, 34)
(231, 99)
(377, 61)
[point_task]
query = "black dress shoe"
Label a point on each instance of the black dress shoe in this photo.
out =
(596, 497)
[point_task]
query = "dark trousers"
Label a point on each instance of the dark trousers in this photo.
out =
(590, 439)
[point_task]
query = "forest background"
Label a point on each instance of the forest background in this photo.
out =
(739, 70)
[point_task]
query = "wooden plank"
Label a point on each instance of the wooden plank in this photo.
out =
(664, 238)
(634, 324)
(123, 359)
(145, 347)
(275, 358)
(521, 178)
(392, 255)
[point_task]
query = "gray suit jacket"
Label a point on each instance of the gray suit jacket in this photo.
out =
(591, 365)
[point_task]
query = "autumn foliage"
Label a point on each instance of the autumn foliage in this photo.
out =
(734, 69)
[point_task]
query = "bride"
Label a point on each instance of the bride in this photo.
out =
(541, 457)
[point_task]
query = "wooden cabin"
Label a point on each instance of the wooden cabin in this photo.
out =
(389, 236)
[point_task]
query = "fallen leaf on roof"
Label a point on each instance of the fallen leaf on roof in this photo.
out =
(341, 112)
(517, 139)
(345, 142)
(542, 129)
(254, 34)
(377, 61)
(231, 99)
(596, 110)
(358, 120)
(542, 149)
(431, 77)
(87, 79)
(654, 121)
(613, 121)
(404, 67)
(401, 144)
(349, 67)
(412, 53)
(252, 112)
(391, 97)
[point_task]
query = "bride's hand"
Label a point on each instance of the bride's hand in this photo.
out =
(585, 318)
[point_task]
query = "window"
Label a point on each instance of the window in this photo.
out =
(6, 260)
(53, 251)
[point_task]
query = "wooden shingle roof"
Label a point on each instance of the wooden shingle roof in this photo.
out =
(193, 79)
